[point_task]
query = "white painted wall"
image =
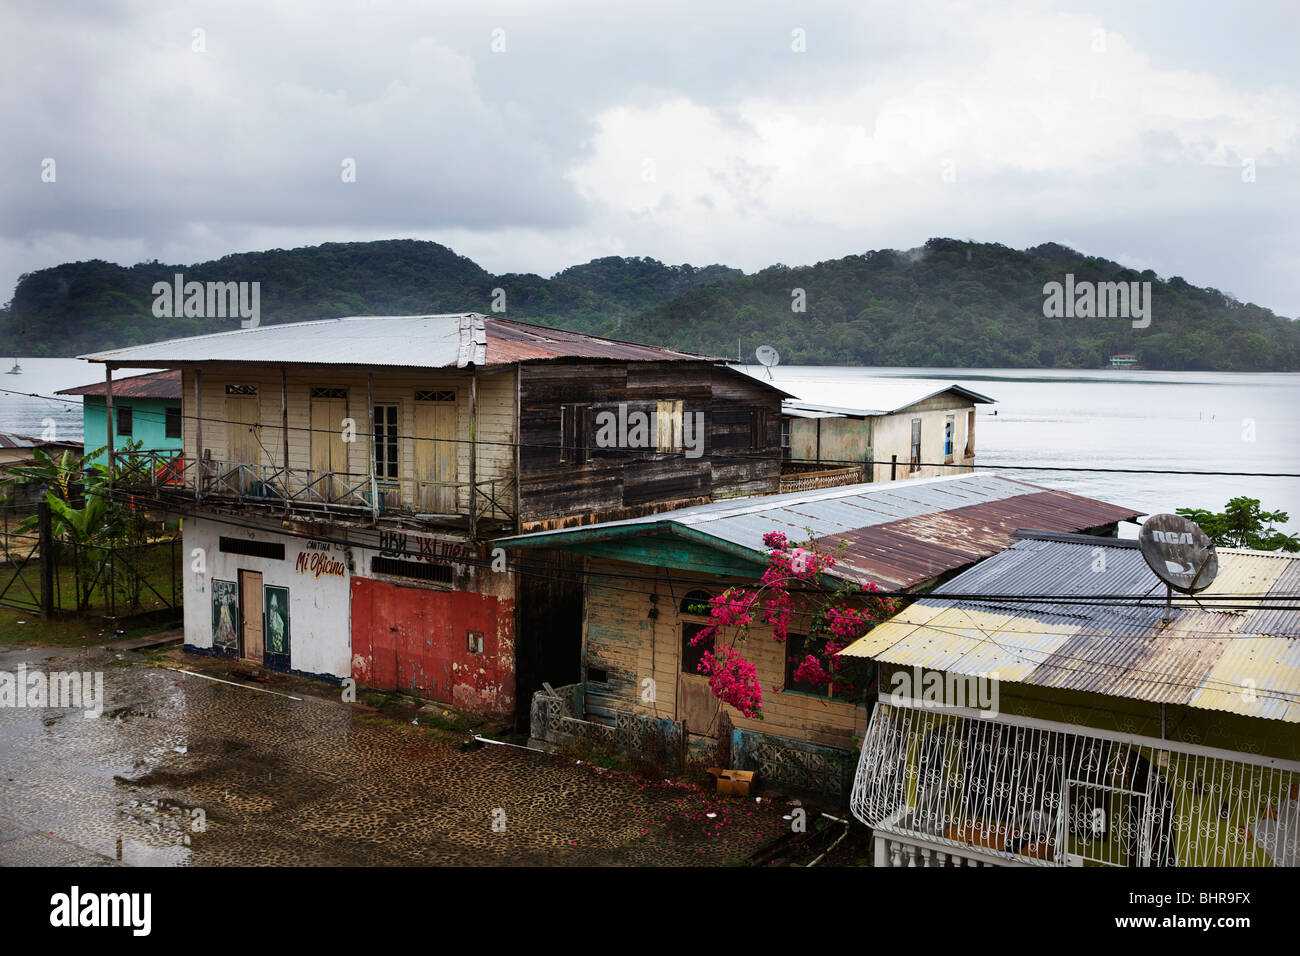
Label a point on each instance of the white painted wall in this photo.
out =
(320, 639)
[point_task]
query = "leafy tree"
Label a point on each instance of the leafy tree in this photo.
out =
(1244, 524)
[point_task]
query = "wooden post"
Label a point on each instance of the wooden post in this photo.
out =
(108, 421)
(519, 496)
(473, 452)
(46, 532)
(374, 446)
(284, 433)
(198, 434)
(893, 467)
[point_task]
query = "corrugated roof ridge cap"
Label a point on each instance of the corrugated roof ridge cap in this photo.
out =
(93, 356)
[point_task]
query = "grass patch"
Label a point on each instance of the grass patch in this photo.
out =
(64, 631)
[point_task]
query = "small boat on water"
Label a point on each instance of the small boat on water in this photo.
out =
(16, 370)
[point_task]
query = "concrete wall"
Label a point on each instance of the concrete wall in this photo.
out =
(319, 638)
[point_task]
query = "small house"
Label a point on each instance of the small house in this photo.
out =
(648, 578)
(877, 431)
(146, 409)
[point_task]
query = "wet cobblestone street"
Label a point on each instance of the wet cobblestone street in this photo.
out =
(317, 782)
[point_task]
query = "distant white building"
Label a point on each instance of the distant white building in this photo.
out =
(877, 431)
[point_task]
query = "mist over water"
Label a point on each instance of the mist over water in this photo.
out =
(1186, 421)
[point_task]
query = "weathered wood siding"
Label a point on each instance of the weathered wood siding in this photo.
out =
(621, 639)
(620, 482)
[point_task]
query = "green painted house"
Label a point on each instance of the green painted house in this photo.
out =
(146, 409)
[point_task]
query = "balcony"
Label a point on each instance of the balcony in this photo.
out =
(173, 478)
(949, 788)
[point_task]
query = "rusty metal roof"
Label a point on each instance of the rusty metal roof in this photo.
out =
(398, 341)
(11, 440)
(1243, 661)
(152, 385)
(899, 534)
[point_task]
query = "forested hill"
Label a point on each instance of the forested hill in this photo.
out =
(975, 305)
(949, 303)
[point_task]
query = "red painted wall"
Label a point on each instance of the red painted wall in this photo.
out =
(415, 640)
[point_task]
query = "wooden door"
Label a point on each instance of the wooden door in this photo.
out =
(250, 615)
(329, 452)
(243, 446)
(696, 705)
(435, 457)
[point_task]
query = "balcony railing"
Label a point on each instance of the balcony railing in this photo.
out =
(801, 480)
(171, 475)
(1005, 791)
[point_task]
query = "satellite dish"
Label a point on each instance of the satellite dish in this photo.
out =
(1179, 552)
(767, 356)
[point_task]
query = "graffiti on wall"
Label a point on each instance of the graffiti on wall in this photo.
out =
(275, 620)
(400, 544)
(225, 614)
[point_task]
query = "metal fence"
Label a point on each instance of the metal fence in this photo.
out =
(43, 574)
(1061, 795)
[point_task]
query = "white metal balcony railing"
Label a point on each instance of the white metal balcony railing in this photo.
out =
(945, 786)
(169, 473)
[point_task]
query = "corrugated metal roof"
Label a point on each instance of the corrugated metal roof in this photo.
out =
(865, 397)
(899, 534)
(399, 341)
(1244, 662)
(152, 385)
(10, 440)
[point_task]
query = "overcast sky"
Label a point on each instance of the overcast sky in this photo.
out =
(691, 132)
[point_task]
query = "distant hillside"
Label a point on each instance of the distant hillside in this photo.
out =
(974, 305)
(949, 303)
(639, 284)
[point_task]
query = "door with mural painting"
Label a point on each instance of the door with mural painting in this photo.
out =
(435, 451)
(697, 708)
(250, 616)
(243, 439)
(329, 452)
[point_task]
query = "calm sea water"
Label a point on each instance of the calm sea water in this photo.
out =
(1189, 421)
(1186, 421)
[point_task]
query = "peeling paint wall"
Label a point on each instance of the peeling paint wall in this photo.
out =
(418, 640)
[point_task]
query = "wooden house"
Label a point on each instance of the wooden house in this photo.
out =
(647, 579)
(1107, 732)
(877, 431)
(341, 479)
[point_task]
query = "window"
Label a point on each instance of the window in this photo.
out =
(386, 461)
(329, 393)
(125, 420)
(785, 439)
(668, 418)
(241, 389)
(797, 647)
(172, 428)
(970, 433)
(574, 424)
(256, 549)
(856, 675)
(421, 570)
(949, 430)
(694, 605)
(474, 642)
(915, 464)
(435, 395)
